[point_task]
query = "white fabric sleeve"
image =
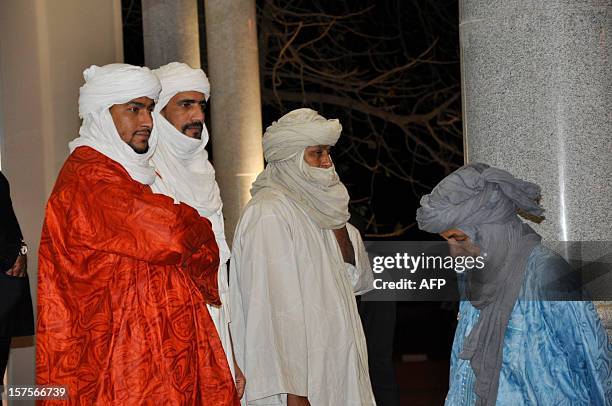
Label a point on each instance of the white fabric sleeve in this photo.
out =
(360, 274)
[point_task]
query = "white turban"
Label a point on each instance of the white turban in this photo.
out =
(317, 191)
(295, 131)
(105, 86)
(177, 77)
(182, 162)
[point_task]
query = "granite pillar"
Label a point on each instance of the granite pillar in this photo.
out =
(233, 63)
(170, 32)
(537, 91)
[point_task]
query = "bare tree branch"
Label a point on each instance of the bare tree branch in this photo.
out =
(399, 108)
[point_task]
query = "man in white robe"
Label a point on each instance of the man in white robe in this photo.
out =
(185, 174)
(296, 266)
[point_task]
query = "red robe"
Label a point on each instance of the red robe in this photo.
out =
(124, 279)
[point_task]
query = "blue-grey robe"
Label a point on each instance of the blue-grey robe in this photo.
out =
(554, 353)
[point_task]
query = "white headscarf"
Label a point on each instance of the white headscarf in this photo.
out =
(105, 86)
(181, 161)
(317, 191)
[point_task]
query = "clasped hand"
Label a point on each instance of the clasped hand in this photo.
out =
(20, 268)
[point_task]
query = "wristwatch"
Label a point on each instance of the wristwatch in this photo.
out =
(24, 248)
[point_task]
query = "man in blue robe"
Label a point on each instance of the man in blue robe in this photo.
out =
(513, 344)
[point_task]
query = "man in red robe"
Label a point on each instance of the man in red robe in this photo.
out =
(124, 274)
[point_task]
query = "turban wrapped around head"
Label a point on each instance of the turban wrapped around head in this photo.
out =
(105, 86)
(317, 191)
(116, 83)
(476, 194)
(295, 131)
(177, 77)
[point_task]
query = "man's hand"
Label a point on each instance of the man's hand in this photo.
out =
(293, 400)
(240, 380)
(20, 268)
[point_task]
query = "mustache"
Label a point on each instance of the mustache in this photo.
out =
(193, 125)
(143, 131)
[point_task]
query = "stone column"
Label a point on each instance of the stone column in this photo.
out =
(537, 91)
(231, 40)
(44, 48)
(170, 31)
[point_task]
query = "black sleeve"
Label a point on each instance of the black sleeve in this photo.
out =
(10, 233)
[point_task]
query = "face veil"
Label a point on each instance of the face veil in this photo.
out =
(317, 191)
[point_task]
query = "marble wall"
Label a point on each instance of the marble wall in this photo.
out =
(537, 97)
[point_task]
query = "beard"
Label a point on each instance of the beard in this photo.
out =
(194, 125)
(140, 147)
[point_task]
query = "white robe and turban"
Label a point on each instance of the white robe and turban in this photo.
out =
(105, 86)
(295, 324)
(187, 176)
